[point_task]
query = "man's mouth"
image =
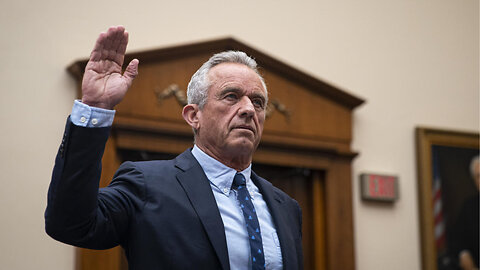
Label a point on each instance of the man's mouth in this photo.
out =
(245, 127)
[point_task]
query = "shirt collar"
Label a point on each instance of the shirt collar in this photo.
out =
(217, 173)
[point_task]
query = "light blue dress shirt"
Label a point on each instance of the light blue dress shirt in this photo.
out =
(86, 116)
(221, 178)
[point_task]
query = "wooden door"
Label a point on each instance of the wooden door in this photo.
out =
(306, 186)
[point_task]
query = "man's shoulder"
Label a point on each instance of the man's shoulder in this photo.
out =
(284, 196)
(279, 194)
(152, 166)
(148, 166)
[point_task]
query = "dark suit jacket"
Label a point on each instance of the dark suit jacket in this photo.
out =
(163, 213)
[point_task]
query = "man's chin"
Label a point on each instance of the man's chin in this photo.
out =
(243, 132)
(243, 146)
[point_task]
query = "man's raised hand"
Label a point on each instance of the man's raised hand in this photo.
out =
(104, 85)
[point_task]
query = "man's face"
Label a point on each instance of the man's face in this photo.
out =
(231, 122)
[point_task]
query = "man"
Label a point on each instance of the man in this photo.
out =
(465, 243)
(205, 209)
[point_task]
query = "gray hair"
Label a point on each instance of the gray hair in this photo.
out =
(198, 86)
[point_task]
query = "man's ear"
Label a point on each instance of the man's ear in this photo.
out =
(191, 113)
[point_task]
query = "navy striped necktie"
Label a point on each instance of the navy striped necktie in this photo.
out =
(251, 220)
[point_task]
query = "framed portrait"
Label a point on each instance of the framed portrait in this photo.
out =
(447, 164)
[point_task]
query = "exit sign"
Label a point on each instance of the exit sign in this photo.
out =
(378, 187)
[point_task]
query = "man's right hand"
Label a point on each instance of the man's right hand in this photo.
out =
(104, 85)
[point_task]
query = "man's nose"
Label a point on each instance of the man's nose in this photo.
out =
(246, 107)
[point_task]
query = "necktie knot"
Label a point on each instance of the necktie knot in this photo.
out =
(239, 181)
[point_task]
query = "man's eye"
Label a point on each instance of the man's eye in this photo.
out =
(231, 96)
(258, 103)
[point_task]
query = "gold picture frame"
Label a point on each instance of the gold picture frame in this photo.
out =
(427, 139)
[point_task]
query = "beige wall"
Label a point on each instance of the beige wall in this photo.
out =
(415, 62)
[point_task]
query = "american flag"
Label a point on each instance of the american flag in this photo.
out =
(439, 221)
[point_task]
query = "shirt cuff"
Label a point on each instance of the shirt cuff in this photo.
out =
(87, 116)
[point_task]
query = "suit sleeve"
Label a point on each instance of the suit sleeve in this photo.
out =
(78, 212)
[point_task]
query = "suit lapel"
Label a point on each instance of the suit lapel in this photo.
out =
(274, 203)
(198, 190)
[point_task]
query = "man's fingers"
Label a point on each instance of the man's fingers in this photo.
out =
(115, 40)
(122, 43)
(131, 71)
(96, 54)
(111, 45)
